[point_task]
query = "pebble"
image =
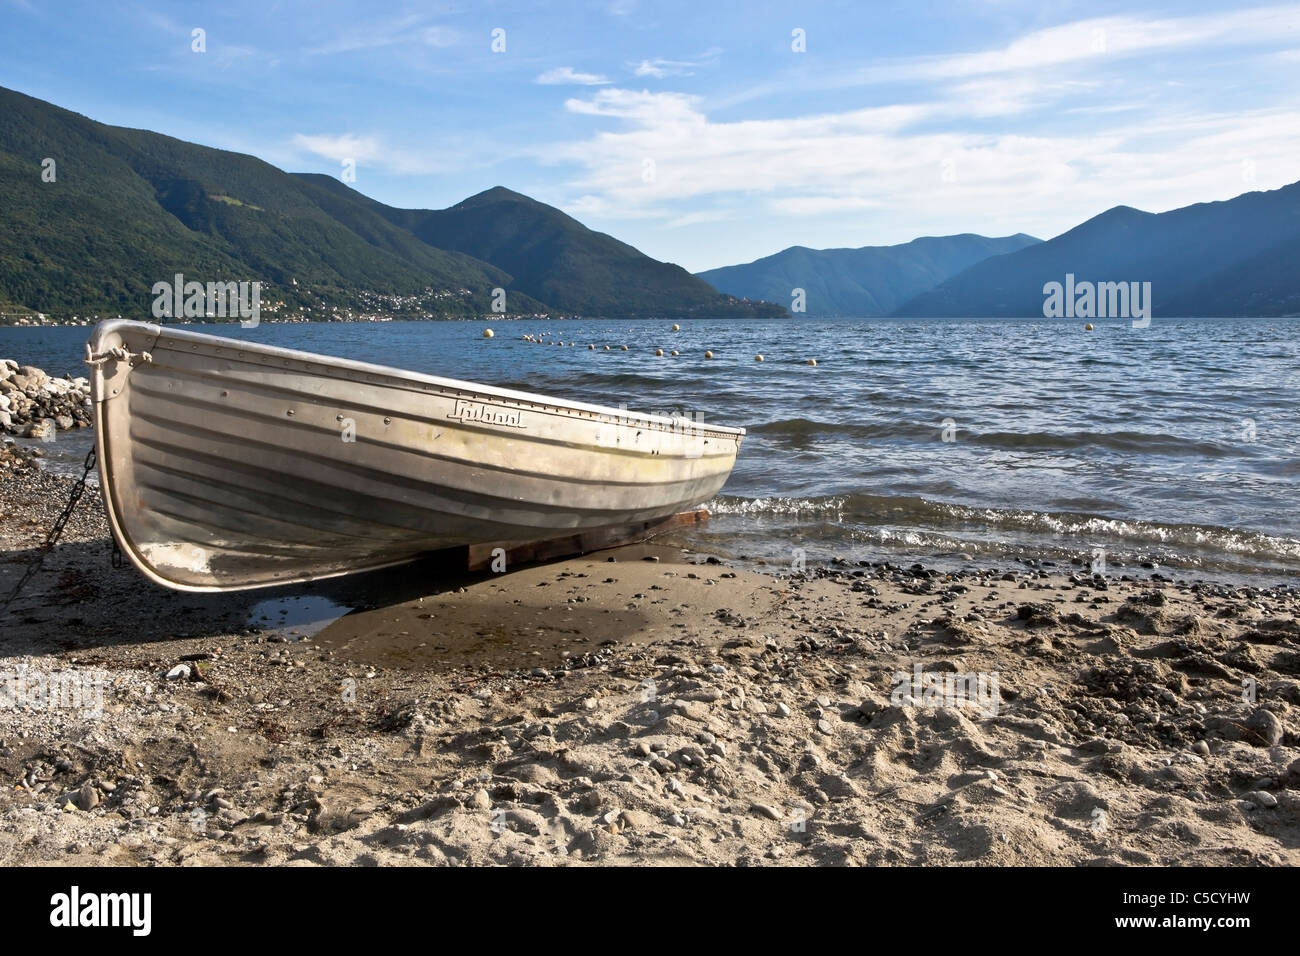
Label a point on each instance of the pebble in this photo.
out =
(87, 797)
(1262, 798)
(764, 809)
(636, 819)
(783, 710)
(824, 726)
(1201, 747)
(480, 800)
(1266, 728)
(179, 672)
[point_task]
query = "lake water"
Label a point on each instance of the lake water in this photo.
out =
(935, 440)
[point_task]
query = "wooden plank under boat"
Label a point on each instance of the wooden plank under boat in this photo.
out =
(228, 465)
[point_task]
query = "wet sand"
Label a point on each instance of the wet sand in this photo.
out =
(597, 711)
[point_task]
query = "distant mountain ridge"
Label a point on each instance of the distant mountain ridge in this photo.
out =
(1237, 257)
(869, 281)
(556, 259)
(121, 209)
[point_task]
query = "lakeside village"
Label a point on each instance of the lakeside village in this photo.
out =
(371, 307)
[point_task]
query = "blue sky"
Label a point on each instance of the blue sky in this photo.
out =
(695, 131)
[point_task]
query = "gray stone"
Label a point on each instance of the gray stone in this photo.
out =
(87, 797)
(1265, 729)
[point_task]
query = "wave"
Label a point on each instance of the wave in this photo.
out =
(1130, 442)
(909, 520)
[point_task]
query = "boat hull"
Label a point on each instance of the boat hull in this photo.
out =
(227, 465)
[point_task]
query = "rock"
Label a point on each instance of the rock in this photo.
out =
(694, 710)
(1201, 747)
(766, 810)
(42, 430)
(1262, 798)
(824, 726)
(1265, 729)
(480, 800)
(636, 819)
(87, 797)
(64, 422)
(179, 672)
(783, 710)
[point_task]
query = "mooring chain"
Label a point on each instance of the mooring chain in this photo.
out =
(55, 532)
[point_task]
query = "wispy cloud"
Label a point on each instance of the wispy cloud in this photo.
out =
(412, 29)
(896, 160)
(1082, 46)
(658, 68)
(568, 76)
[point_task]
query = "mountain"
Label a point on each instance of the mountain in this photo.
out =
(873, 280)
(1230, 258)
(127, 208)
(558, 260)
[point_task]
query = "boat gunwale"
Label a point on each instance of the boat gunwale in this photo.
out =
(400, 377)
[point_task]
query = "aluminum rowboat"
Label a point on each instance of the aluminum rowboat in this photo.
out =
(228, 465)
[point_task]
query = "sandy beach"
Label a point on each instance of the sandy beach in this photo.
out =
(644, 705)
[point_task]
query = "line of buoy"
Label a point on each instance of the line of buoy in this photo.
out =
(708, 354)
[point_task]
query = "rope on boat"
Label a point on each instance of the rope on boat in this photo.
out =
(118, 353)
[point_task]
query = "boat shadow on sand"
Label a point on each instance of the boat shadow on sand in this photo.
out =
(429, 615)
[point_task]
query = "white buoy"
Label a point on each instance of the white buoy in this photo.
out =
(675, 352)
(606, 348)
(758, 358)
(1088, 327)
(488, 333)
(677, 328)
(708, 355)
(591, 348)
(812, 361)
(624, 348)
(659, 351)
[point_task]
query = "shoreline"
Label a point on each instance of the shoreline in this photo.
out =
(596, 711)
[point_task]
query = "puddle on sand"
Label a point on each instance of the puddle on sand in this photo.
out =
(296, 617)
